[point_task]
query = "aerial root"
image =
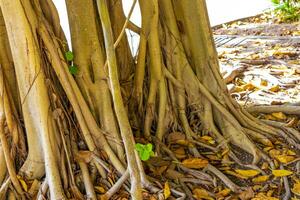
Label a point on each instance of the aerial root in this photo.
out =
(289, 134)
(4, 187)
(287, 188)
(287, 109)
(223, 178)
(9, 162)
(116, 186)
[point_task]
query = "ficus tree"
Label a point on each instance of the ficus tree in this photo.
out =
(69, 121)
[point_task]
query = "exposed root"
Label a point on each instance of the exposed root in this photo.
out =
(223, 178)
(287, 188)
(116, 186)
(6, 151)
(81, 127)
(291, 110)
(119, 108)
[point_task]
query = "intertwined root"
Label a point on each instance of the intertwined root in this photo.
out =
(80, 124)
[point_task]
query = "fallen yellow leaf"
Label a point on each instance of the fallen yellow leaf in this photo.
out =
(224, 192)
(200, 193)
(268, 148)
(261, 196)
(281, 172)
(23, 183)
(249, 86)
(279, 115)
(291, 153)
(260, 179)
(265, 165)
(99, 189)
(235, 174)
(270, 193)
(269, 117)
(266, 142)
(254, 56)
(195, 163)
(296, 188)
(274, 152)
(284, 158)
(180, 153)
(167, 191)
(275, 88)
(248, 172)
(257, 187)
(246, 87)
(263, 82)
(183, 142)
(225, 152)
(208, 139)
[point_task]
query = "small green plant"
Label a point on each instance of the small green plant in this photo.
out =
(144, 151)
(73, 69)
(287, 10)
(69, 56)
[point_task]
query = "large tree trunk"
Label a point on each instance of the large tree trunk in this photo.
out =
(81, 126)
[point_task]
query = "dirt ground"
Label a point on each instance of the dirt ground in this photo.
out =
(260, 60)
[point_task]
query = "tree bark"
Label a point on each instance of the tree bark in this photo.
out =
(81, 128)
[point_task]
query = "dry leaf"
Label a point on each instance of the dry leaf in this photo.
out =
(275, 88)
(265, 165)
(274, 152)
(257, 187)
(247, 173)
(296, 188)
(279, 115)
(270, 193)
(266, 142)
(281, 172)
(263, 82)
(200, 193)
(260, 179)
(225, 152)
(284, 158)
(175, 136)
(208, 139)
(23, 183)
(167, 191)
(180, 153)
(248, 86)
(99, 189)
(270, 117)
(291, 153)
(235, 174)
(195, 163)
(247, 194)
(183, 142)
(262, 196)
(224, 193)
(268, 149)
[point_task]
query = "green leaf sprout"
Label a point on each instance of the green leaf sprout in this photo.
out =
(144, 151)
